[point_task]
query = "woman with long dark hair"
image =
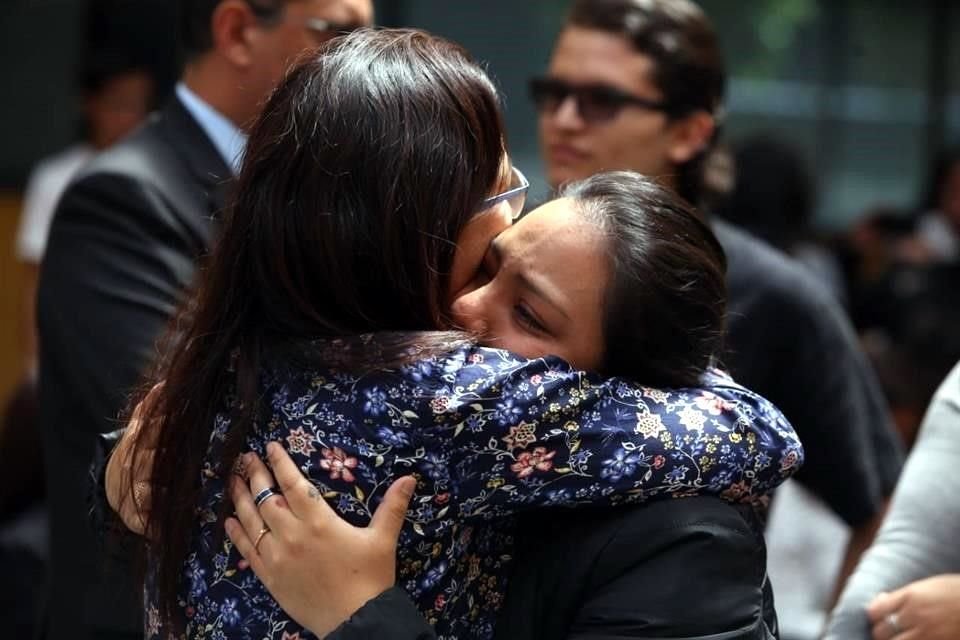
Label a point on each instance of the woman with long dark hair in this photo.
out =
(373, 184)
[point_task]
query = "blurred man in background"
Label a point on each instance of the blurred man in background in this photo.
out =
(124, 245)
(116, 95)
(640, 85)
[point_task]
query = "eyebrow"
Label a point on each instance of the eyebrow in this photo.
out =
(496, 246)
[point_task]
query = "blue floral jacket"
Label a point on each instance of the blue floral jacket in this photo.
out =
(488, 435)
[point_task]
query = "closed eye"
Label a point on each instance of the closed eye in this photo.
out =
(526, 319)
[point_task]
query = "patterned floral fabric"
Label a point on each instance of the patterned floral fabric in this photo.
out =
(488, 435)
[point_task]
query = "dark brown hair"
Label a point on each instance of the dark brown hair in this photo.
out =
(689, 66)
(664, 310)
(359, 175)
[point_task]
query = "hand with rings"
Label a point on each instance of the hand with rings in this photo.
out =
(301, 549)
(924, 610)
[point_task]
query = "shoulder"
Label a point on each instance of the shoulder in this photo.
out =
(61, 166)
(621, 560)
(762, 279)
(146, 156)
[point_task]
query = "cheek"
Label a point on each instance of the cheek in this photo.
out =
(472, 245)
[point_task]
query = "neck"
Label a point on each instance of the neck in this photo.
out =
(218, 86)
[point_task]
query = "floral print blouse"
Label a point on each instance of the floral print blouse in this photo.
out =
(488, 435)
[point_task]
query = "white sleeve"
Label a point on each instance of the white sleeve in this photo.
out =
(918, 538)
(38, 203)
(47, 183)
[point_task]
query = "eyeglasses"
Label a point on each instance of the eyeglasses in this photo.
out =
(516, 195)
(595, 103)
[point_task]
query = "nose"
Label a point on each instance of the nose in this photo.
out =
(567, 115)
(470, 311)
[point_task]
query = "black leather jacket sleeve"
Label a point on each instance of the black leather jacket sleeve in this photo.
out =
(390, 616)
(692, 569)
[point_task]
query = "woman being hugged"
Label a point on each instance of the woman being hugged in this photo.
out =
(361, 234)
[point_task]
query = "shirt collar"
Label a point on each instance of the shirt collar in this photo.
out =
(228, 139)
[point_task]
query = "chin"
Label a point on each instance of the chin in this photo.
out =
(559, 176)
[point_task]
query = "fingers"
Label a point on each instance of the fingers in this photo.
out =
(885, 604)
(246, 511)
(244, 545)
(300, 493)
(136, 418)
(274, 511)
(135, 508)
(389, 516)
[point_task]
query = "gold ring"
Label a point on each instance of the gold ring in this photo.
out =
(256, 543)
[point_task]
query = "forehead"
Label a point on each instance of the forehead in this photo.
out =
(556, 229)
(591, 56)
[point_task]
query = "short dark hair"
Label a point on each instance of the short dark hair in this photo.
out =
(360, 173)
(689, 65)
(100, 66)
(664, 310)
(194, 17)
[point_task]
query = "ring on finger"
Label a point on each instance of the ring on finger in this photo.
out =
(263, 531)
(265, 495)
(893, 621)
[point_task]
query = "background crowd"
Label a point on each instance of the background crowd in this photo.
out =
(836, 147)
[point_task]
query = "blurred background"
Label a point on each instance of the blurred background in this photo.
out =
(840, 119)
(851, 100)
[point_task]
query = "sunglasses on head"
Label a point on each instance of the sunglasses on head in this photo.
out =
(596, 103)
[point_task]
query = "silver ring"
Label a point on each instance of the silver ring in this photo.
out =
(893, 621)
(265, 495)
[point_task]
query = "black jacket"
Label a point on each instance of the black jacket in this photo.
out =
(123, 246)
(690, 568)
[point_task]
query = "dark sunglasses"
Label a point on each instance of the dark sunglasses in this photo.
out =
(595, 103)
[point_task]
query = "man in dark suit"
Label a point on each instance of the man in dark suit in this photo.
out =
(123, 246)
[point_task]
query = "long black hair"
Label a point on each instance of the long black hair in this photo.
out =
(664, 310)
(361, 171)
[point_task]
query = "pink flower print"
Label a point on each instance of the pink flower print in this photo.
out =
(712, 404)
(440, 602)
(520, 436)
(440, 404)
(529, 461)
(290, 636)
(338, 464)
(442, 498)
(299, 441)
(476, 358)
(789, 460)
(736, 492)
(658, 461)
(536, 379)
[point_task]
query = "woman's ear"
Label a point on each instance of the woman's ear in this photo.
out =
(690, 136)
(233, 27)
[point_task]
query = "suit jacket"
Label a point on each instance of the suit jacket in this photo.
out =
(123, 247)
(691, 568)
